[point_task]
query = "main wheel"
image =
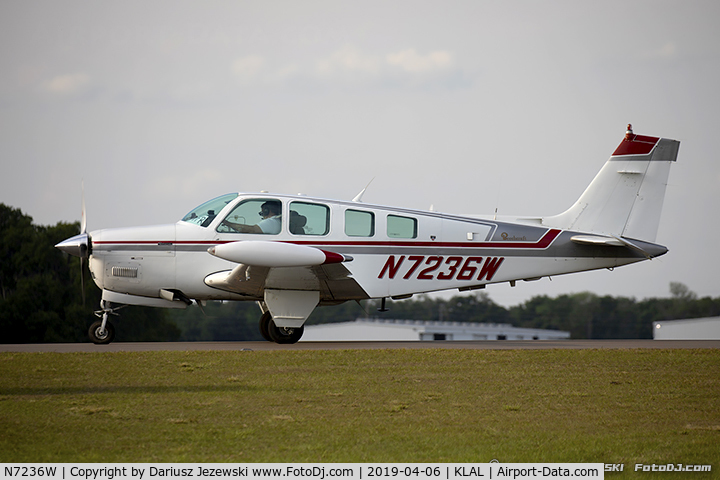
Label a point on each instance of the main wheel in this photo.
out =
(283, 334)
(103, 338)
(265, 320)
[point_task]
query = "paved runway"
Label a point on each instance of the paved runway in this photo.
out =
(265, 346)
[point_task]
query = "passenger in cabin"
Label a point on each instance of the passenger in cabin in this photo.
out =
(271, 222)
(297, 223)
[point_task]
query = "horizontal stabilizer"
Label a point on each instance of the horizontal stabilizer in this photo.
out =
(649, 251)
(597, 240)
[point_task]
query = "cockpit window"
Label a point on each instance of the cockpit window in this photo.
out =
(206, 213)
(258, 215)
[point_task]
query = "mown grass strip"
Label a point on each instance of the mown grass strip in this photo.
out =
(610, 406)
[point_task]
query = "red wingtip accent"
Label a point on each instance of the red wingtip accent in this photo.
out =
(332, 257)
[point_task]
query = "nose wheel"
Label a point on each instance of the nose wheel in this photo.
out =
(101, 334)
(102, 331)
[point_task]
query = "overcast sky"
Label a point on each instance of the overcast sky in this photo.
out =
(465, 105)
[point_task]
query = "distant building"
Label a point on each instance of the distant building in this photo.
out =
(367, 329)
(691, 329)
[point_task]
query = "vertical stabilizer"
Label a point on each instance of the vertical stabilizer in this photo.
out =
(626, 196)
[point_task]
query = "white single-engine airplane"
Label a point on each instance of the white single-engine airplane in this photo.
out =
(292, 253)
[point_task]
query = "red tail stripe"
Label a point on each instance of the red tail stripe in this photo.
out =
(636, 145)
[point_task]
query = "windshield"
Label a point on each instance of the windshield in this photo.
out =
(205, 213)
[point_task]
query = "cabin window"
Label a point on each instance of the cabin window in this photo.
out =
(401, 227)
(359, 224)
(262, 216)
(309, 219)
(206, 213)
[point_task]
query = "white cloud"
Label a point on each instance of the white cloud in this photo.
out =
(288, 71)
(67, 84)
(412, 62)
(248, 68)
(350, 65)
(668, 50)
(349, 59)
(167, 185)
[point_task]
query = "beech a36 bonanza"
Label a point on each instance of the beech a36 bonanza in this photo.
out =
(291, 254)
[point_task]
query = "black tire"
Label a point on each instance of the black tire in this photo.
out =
(96, 338)
(285, 335)
(265, 320)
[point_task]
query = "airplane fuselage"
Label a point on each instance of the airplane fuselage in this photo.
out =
(399, 252)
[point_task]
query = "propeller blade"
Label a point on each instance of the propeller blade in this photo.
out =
(83, 218)
(79, 245)
(83, 231)
(82, 279)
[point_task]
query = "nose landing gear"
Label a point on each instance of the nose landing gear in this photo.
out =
(102, 331)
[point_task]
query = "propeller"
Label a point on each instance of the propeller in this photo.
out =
(83, 231)
(83, 218)
(79, 245)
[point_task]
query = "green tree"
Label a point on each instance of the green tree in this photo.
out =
(571, 313)
(40, 288)
(680, 291)
(218, 322)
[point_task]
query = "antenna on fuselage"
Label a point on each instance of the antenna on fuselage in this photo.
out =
(358, 197)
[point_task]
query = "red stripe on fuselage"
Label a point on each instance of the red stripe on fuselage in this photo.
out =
(544, 242)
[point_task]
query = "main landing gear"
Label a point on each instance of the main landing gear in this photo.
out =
(273, 333)
(102, 331)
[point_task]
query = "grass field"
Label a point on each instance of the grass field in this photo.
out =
(609, 406)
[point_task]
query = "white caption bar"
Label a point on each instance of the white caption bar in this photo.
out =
(303, 471)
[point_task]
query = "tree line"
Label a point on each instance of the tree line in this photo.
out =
(41, 294)
(41, 301)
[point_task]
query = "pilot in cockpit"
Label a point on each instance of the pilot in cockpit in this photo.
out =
(271, 222)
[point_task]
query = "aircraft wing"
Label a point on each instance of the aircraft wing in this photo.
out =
(284, 266)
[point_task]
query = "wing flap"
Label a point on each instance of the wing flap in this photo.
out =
(242, 279)
(336, 283)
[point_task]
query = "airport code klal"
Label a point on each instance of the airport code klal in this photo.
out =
(458, 268)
